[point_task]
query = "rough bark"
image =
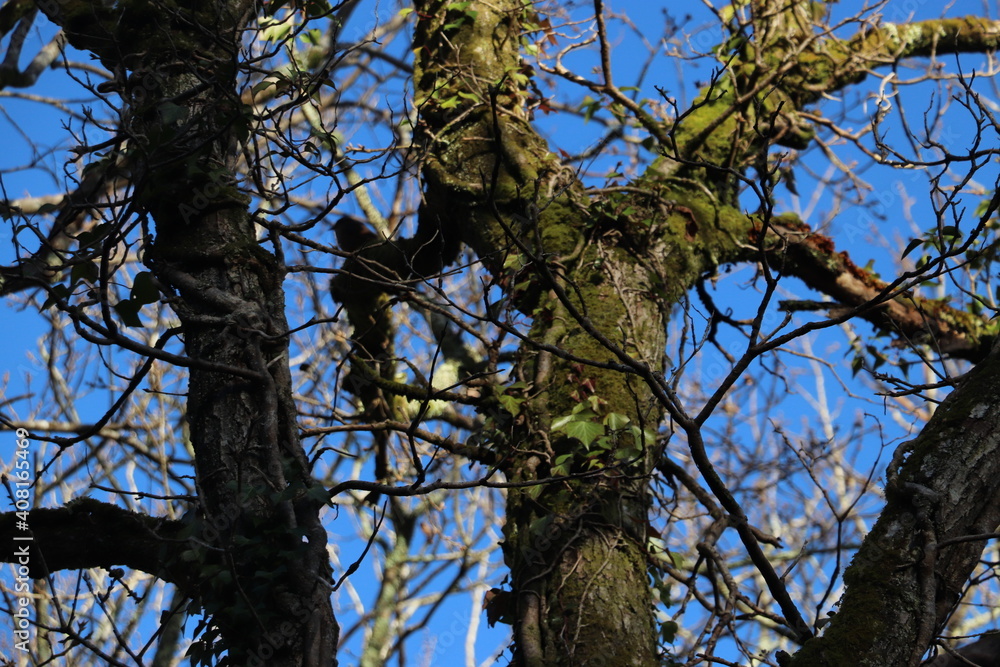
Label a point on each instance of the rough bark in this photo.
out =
(576, 548)
(88, 533)
(943, 487)
(259, 510)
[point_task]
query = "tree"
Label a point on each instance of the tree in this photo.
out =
(509, 325)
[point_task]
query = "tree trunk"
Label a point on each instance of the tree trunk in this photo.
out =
(576, 548)
(259, 512)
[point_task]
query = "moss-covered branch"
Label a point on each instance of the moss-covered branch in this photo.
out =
(792, 248)
(912, 567)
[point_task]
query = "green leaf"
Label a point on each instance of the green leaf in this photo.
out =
(277, 32)
(562, 464)
(318, 8)
(616, 421)
(857, 363)
(272, 7)
(144, 289)
(87, 271)
(562, 421)
(584, 431)
(511, 404)
(984, 206)
(56, 293)
(627, 453)
(313, 36)
(172, 113)
(646, 436)
(579, 413)
(605, 443)
(515, 262)
(128, 310)
(911, 246)
(589, 107)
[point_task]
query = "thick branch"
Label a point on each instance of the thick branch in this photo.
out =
(89, 533)
(911, 569)
(793, 248)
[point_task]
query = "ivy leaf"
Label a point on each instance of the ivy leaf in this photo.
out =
(94, 235)
(951, 231)
(499, 606)
(616, 421)
(562, 465)
(511, 404)
(56, 293)
(579, 413)
(86, 271)
(128, 310)
(857, 363)
(277, 31)
(263, 85)
(171, 113)
(314, 36)
(589, 107)
(983, 207)
(584, 431)
(668, 631)
(144, 289)
(317, 8)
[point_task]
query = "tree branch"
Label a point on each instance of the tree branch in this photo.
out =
(89, 533)
(912, 567)
(793, 248)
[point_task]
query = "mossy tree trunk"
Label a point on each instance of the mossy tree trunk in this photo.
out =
(598, 277)
(576, 548)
